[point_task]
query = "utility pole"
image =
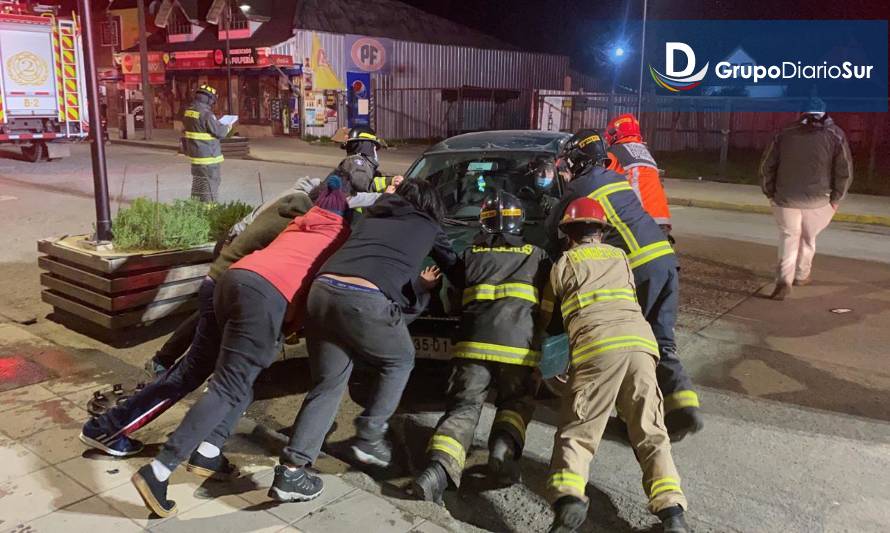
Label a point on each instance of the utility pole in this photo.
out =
(642, 61)
(228, 16)
(97, 131)
(147, 91)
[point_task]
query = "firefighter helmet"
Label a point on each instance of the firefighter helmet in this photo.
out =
(209, 90)
(501, 213)
(363, 133)
(622, 126)
(583, 149)
(585, 210)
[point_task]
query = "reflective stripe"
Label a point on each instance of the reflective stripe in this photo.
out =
(585, 352)
(610, 188)
(680, 399)
(650, 252)
(523, 291)
(512, 418)
(547, 305)
(626, 234)
(448, 446)
(665, 484)
(191, 113)
(566, 478)
(484, 351)
(581, 300)
(379, 184)
(207, 160)
(198, 136)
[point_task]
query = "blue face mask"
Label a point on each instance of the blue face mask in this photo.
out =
(544, 182)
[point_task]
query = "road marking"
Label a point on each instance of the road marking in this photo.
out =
(4, 198)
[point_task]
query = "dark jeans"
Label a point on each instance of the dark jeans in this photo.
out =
(250, 311)
(345, 325)
(185, 376)
(181, 339)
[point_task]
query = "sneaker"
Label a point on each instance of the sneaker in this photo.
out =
(154, 368)
(673, 520)
(682, 422)
(153, 492)
(295, 485)
(430, 484)
(803, 281)
(376, 453)
(569, 513)
(218, 467)
(120, 446)
(501, 461)
(781, 292)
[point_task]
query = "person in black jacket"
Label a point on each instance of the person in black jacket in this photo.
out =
(358, 310)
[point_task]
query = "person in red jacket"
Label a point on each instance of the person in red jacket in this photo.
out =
(630, 156)
(252, 301)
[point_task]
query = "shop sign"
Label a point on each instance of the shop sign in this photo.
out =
(238, 58)
(368, 54)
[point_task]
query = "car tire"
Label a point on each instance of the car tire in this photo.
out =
(35, 152)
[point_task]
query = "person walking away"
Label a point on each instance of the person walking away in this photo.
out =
(654, 264)
(251, 302)
(613, 362)
(360, 167)
(630, 156)
(357, 313)
(202, 132)
(501, 277)
(806, 171)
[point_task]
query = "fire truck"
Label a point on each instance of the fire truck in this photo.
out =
(42, 87)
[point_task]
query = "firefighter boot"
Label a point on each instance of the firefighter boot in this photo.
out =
(570, 513)
(682, 422)
(430, 484)
(501, 462)
(673, 520)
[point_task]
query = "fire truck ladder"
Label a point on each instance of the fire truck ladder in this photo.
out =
(70, 85)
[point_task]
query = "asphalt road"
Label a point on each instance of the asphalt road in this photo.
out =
(797, 431)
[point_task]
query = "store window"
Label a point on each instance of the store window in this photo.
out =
(179, 24)
(109, 32)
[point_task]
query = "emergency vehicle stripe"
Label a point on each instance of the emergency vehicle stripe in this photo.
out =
(562, 479)
(206, 160)
(649, 252)
(511, 418)
(198, 136)
(680, 399)
(664, 484)
(581, 300)
(523, 291)
(448, 446)
(586, 351)
(484, 351)
(191, 113)
(379, 184)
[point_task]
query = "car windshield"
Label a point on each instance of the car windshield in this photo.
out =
(464, 178)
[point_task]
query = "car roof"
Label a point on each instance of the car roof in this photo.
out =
(502, 140)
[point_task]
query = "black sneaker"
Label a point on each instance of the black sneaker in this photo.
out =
(295, 485)
(569, 513)
(682, 422)
(120, 446)
(376, 453)
(153, 492)
(501, 461)
(430, 484)
(217, 467)
(673, 520)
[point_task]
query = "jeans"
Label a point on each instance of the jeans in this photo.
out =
(344, 326)
(250, 311)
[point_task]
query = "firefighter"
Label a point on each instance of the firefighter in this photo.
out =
(630, 156)
(361, 162)
(496, 348)
(202, 132)
(654, 264)
(614, 356)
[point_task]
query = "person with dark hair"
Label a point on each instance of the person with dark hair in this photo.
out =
(358, 311)
(256, 298)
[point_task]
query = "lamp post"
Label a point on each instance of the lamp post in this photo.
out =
(228, 20)
(147, 89)
(642, 61)
(617, 54)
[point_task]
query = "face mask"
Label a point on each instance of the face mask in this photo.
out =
(544, 181)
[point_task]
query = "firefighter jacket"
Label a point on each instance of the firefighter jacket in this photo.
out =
(501, 280)
(592, 286)
(362, 174)
(202, 134)
(634, 160)
(634, 230)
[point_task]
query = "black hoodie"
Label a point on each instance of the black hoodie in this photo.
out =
(388, 246)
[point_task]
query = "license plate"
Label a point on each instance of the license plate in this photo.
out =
(432, 347)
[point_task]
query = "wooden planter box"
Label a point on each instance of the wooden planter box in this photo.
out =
(118, 290)
(236, 147)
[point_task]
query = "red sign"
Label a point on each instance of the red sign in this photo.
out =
(238, 58)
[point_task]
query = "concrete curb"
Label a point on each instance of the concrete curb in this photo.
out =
(875, 220)
(144, 144)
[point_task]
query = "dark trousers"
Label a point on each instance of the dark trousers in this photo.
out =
(181, 339)
(250, 312)
(343, 326)
(185, 376)
(467, 389)
(658, 291)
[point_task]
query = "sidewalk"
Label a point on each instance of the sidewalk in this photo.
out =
(50, 482)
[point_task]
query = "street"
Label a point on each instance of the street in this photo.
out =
(795, 395)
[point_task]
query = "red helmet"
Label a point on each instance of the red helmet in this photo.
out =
(622, 126)
(586, 210)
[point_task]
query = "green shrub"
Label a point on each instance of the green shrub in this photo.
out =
(224, 216)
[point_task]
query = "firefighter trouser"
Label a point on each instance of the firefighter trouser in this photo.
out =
(627, 381)
(658, 292)
(205, 182)
(467, 389)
